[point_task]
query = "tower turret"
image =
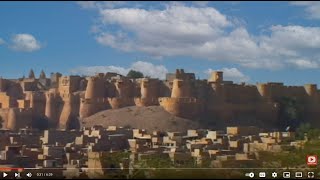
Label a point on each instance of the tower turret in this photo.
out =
(124, 88)
(51, 110)
(68, 117)
(264, 90)
(216, 76)
(31, 74)
(94, 97)
(42, 75)
(311, 89)
(181, 88)
(12, 119)
(95, 88)
(149, 88)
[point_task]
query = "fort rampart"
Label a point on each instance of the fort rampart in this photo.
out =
(64, 99)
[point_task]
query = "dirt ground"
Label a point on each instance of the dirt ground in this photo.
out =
(149, 118)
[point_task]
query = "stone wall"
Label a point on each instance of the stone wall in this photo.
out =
(19, 118)
(182, 107)
(74, 97)
(70, 110)
(7, 101)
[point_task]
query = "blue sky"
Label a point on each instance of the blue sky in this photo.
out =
(249, 41)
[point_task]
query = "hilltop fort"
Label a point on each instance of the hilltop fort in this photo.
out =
(64, 100)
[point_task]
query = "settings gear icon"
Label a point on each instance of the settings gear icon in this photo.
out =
(274, 175)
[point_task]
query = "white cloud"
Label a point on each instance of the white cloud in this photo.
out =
(311, 7)
(154, 71)
(304, 64)
(174, 21)
(25, 42)
(205, 33)
(295, 37)
(100, 4)
(2, 41)
(87, 4)
(230, 74)
(200, 3)
(148, 69)
(92, 70)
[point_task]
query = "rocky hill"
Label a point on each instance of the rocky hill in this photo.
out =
(149, 118)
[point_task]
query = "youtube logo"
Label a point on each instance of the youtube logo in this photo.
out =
(312, 160)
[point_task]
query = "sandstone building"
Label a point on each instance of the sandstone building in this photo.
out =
(64, 100)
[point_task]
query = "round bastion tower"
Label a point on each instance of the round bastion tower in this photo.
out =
(215, 81)
(124, 94)
(311, 89)
(19, 118)
(124, 88)
(182, 103)
(12, 119)
(94, 100)
(312, 92)
(69, 113)
(264, 90)
(37, 103)
(95, 88)
(149, 89)
(181, 89)
(51, 110)
(216, 77)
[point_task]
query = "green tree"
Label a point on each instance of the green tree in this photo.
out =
(313, 134)
(111, 161)
(156, 161)
(135, 74)
(306, 128)
(294, 158)
(302, 130)
(290, 113)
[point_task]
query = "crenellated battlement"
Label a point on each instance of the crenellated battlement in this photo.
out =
(94, 78)
(93, 101)
(141, 102)
(180, 100)
(51, 95)
(182, 107)
(119, 102)
(68, 97)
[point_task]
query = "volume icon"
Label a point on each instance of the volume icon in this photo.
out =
(29, 175)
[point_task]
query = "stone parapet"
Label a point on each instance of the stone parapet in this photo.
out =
(182, 107)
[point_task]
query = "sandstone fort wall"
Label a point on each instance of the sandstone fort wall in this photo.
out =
(71, 97)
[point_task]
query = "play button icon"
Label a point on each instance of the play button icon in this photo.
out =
(4, 174)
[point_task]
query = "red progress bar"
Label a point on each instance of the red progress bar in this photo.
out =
(9, 169)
